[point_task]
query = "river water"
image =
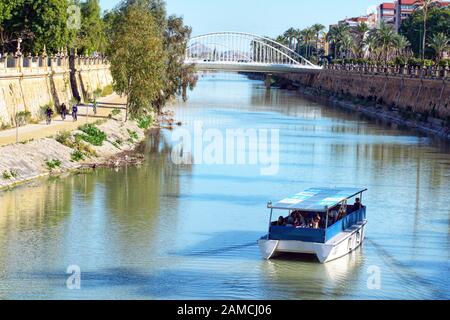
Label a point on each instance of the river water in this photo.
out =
(167, 231)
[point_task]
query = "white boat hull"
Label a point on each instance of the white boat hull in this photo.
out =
(335, 248)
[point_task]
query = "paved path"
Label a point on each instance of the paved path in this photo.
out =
(42, 130)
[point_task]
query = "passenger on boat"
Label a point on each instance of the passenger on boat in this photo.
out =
(333, 216)
(300, 221)
(290, 221)
(342, 213)
(358, 204)
(315, 222)
(281, 222)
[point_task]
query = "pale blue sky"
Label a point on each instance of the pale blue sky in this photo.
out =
(263, 17)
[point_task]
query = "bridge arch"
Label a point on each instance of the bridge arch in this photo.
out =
(242, 48)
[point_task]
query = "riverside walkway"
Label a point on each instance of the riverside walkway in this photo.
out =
(42, 130)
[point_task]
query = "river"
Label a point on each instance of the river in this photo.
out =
(167, 231)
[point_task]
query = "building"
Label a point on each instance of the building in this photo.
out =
(370, 20)
(404, 8)
(386, 13)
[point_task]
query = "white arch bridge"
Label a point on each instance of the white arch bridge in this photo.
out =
(237, 51)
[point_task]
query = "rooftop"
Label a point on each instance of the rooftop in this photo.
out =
(317, 199)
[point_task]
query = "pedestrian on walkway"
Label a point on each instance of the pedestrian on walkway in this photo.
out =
(49, 113)
(94, 106)
(63, 111)
(75, 112)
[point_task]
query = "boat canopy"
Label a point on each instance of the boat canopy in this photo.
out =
(317, 199)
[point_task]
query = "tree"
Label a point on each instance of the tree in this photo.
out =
(438, 21)
(179, 77)
(385, 39)
(39, 23)
(337, 35)
(91, 37)
(440, 43)
(137, 59)
(359, 35)
(400, 44)
(424, 5)
(318, 29)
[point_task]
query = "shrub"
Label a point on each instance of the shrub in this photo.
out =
(77, 156)
(133, 135)
(144, 122)
(108, 90)
(23, 118)
(53, 164)
(9, 174)
(92, 135)
(65, 138)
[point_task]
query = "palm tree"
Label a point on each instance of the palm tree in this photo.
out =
(360, 33)
(318, 29)
(425, 6)
(385, 38)
(400, 44)
(439, 43)
(336, 35)
(290, 36)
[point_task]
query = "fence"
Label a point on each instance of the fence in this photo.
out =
(442, 73)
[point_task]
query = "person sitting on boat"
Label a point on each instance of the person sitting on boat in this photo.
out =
(290, 221)
(333, 215)
(358, 205)
(315, 222)
(300, 221)
(342, 213)
(281, 222)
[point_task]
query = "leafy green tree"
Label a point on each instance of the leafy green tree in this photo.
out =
(91, 36)
(179, 76)
(359, 36)
(440, 43)
(138, 59)
(39, 23)
(438, 21)
(6, 9)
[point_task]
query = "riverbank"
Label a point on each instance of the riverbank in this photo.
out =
(421, 121)
(68, 151)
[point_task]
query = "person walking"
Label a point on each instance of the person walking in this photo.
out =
(63, 111)
(94, 106)
(75, 112)
(49, 113)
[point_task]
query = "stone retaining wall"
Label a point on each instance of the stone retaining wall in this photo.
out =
(430, 96)
(30, 83)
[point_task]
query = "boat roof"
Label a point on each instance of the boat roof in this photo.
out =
(317, 199)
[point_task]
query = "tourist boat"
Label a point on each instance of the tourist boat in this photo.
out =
(335, 237)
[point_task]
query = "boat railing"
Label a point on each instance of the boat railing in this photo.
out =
(345, 223)
(297, 234)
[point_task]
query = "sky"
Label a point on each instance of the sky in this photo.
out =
(262, 17)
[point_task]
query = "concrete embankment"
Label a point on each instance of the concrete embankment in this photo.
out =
(22, 162)
(422, 104)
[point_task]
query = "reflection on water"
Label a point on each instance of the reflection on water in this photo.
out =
(161, 231)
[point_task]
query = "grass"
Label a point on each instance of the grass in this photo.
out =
(53, 164)
(92, 134)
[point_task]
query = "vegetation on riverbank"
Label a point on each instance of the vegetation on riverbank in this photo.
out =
(422, 40)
